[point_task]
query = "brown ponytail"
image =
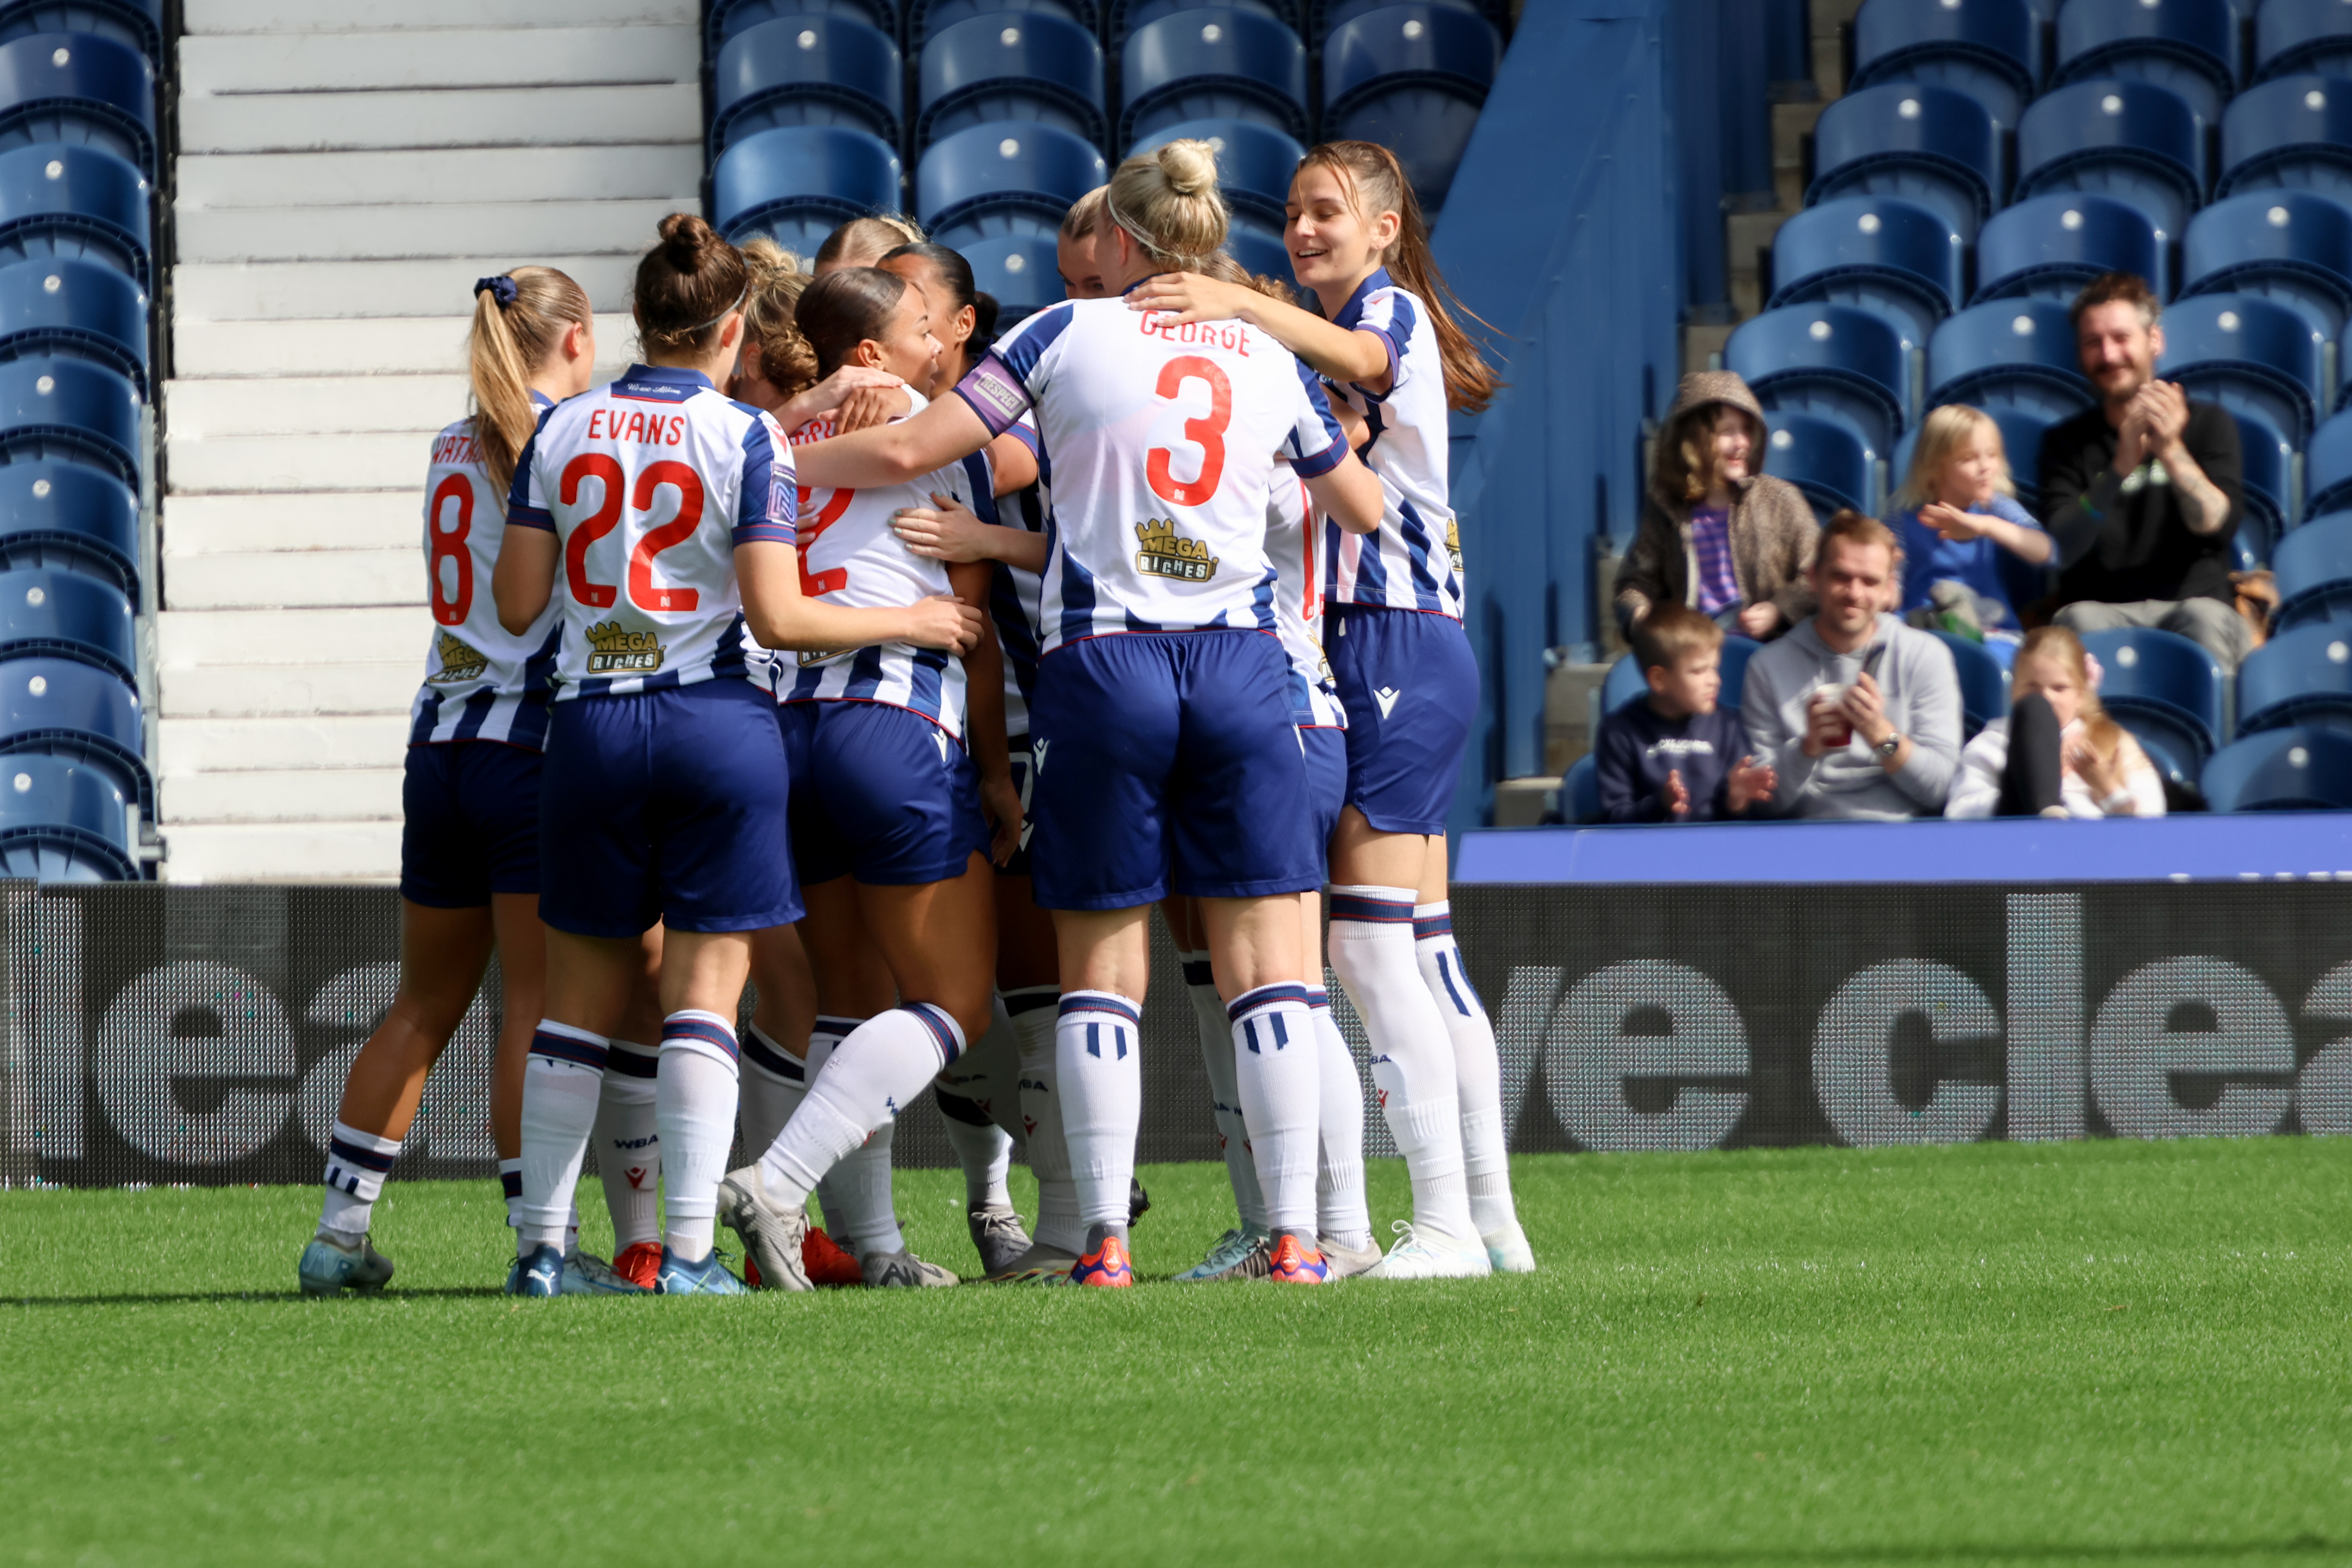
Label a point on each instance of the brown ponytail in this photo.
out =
(687, 285)
(519, 320)
(1376, 184)
(770, 316)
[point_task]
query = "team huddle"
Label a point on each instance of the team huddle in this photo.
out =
(839, 650)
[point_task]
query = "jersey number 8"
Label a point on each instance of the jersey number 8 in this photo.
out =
(606, 470)
(450, 544)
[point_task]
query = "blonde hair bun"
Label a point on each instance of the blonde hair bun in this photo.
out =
(1190, 166)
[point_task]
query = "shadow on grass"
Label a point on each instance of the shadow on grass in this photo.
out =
(1986, 1551)
(188, 1298)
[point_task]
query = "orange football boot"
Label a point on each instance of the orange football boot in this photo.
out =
(1293, 1264)
(639, 1263)
(1107, 1267)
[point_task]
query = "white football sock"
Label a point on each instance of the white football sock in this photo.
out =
(1097, 1041)
(1281, 1088)
(357, 1164)
(1478, 1067)
(1034, 1012)
(858, 1088)
(561, 1080)
(1340, 1212)
(1216, 1032)
(856, 1194)
(972, 1091)
(828, 1032)
(511, 1191)
(773, 1082)
(694, 1109)
(628, 1144)
(1412, 1064)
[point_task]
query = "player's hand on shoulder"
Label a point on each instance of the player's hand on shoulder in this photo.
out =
(837, 389)
(1187, 297)
(943, 621)
(949, 533)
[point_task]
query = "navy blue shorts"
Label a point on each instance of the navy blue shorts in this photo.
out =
(880, 793)
(1168, 751)
(1326, 786)
(1025, 784)
(1411, 688)
(666, 806)
(471, 827)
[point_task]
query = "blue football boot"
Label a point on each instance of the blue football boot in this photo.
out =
(708, 1278)
(328, 1269)
(540, 1275)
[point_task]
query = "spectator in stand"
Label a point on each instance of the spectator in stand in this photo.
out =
(1671, 755)
(1954, 516)
(1716, 535)
(2142, 492)
(2057, 754)
(1857, 715)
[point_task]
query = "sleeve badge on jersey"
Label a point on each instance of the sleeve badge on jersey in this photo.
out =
(613, 649)
(1164, 553)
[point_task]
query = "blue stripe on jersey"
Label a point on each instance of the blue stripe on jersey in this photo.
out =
(728, 660)
(765, 511)
(983, 474)
(1351, 314)
(1013, 633)
(428, 715)
(925, 679)
(1415, 534)
(1030, 340)
(1371, 570)
(1077, 590)
(1312, 465)
(519, 507)
(1262, 600)
(475, 714)
(865, 675)
(530, 726)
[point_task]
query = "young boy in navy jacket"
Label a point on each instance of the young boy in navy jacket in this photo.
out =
(1671, 756)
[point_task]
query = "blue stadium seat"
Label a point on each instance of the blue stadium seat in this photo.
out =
(71, 518)
(1826, 458)
(63, 821)
(1625, 680)
(1924, 144)
(1254, 163)
(2267, 483)
(2313, 565)
(2249, 355)
(2021, 441)
(728, 19)
(2294, 132)
(74, 201)
(2164, 688)
(2292, 38)
(806, 70)
(2284, 770)
(1827, 359)
(2294, 246)
(1580, 792)
(1212, 62)
(2009, 353)
(2189, 46)
(1984, 684)
(70, 411)
(1018, 271)
(2328, 467)
(138, 23)
(1323, 16)
(1013, 177)
(72, 308)
(925, 17)
(2047, 248)
(2302, 677)
(1989, 49)
(2130, 140)
(58, 708)
(78, 90)
(1011, 66)
(1259, 252)
(797, 183)
(1411, 78)
(1876, 252)
(1126, 16)
(65, 615)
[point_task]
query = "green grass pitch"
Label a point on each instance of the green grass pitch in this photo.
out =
(2104, 1352)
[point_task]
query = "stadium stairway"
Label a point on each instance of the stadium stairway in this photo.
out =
(346, 171)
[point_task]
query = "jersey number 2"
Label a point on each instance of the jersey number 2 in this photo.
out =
(606, 471)
(815, 583)
(1208, 433)
(450, 544)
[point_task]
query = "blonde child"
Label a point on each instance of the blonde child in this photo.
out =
(1954, 514)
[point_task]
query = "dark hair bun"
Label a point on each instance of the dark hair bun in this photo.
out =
(684, 239)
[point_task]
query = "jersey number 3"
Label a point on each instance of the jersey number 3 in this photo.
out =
(606, 471)
(1208, 433)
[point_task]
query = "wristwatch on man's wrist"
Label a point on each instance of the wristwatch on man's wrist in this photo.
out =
(1889, 746)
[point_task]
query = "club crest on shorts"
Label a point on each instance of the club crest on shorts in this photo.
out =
(613, 649)
(1164, 553)
(460, 661)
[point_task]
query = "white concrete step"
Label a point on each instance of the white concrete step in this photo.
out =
(290, 852)
(383, 686)
(312, 406)
(387, 345)
(297, 578)
(484, 117)
(283, 290)
(304, 637)
(313, 61)
(368, 461)
(237, 524)
(288, 795)
(244, 745)
(502, 175)
(619, 228)
(209, 17)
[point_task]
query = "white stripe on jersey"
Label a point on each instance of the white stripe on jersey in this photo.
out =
(481, 681)
(1414, 561)
(1015, 596)
(650, 483)
(1162, 441)
(1298, 602)
(851, 555)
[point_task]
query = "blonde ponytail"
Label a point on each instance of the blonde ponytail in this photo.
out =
(1167, 202)
(519, 319)
(770, 315)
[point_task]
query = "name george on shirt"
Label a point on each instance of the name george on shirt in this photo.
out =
(1231, 336)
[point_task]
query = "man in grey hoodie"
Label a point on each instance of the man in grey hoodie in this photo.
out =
(1857, 714)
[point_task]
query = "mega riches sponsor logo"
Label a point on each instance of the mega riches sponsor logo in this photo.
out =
(613, 649)
(460, 661)
(1164, 553)
(1453, 543)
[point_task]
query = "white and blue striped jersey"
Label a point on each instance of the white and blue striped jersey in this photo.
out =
(1414, 561)
(1015, 596)
(850, 556)
(650, 483)
(482, 682)
(1162, 441)
(1291, 539)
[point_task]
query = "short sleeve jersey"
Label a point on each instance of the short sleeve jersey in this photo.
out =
(1162, 441)
(1014, 594)
(1291, 539)
(482, 682)
(850, 556)
(1414, 561)
(649, 483)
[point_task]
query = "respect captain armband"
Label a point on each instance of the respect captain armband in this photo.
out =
(995, 393)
